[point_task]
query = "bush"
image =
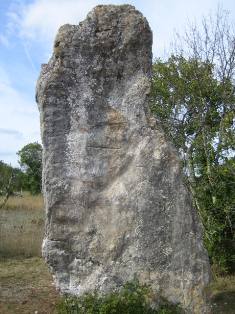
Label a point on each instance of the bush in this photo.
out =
(132, 298)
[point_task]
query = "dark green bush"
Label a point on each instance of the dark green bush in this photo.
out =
(132, 298)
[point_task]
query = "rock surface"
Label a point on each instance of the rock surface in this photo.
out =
(115, 200)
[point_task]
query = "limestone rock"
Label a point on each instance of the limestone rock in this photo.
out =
(116, 205)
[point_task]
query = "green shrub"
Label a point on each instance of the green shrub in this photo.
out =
(132, 298)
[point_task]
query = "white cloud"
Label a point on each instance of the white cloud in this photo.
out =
(41, 19)
(19, 119)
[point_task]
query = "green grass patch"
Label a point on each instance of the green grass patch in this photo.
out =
(132, 298)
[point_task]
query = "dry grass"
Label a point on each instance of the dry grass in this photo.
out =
(27, 202)
(25, 283)
(222, 284)
(22, 226)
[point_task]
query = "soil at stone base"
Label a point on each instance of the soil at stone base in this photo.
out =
(26, 287)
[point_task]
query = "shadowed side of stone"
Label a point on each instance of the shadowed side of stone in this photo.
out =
(116, 205)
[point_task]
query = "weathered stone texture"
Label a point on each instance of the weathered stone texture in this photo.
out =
(115, 200)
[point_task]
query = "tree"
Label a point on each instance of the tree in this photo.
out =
(193, 94)
(11, 180)
(30, 159)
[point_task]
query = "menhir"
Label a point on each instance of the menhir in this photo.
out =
(116, 205)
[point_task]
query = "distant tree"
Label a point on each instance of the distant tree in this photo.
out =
(11, 180)
(30, 159)
(193, 94)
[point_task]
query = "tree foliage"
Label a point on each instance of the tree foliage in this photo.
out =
(10, 178)
(30, 159)
(193, 94)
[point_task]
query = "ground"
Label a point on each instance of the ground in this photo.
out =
(222, 295)
(26, 287)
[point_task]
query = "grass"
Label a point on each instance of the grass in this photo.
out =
(26, 202)
(25, 283)
(21, 226)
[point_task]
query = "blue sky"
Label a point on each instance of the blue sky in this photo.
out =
(27, 31)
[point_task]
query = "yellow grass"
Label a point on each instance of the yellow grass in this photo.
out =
(222, 284)
(22, 226)
(27, 202)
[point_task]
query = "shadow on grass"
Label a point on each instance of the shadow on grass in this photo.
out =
(224, 303)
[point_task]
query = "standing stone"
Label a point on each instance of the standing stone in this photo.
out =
(116, 205)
